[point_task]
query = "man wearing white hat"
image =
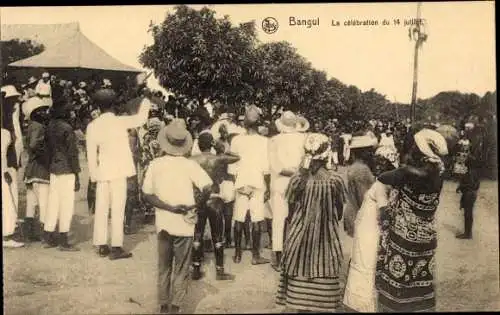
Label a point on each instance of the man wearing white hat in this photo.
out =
(44, 90)
(9, 165)
(29, 88)
(168, 186)
(36, 174)
(286, 151)
(11, 100)
(110, 162)
(359, 178)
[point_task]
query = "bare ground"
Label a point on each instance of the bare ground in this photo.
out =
(46, 281)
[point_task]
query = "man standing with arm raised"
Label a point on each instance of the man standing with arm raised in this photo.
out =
(110, 163)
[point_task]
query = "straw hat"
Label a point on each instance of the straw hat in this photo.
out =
(289, 122)
(10, 91)
(175, 139)
(252, 115)
(31, 105)
(359, 142)
(31, 81)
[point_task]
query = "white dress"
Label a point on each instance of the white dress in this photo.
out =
(360, 294)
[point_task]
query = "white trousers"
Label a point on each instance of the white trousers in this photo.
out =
(346, 152)
(280, 211)
(335, 158)
(38, 195)
(254, 203)
(9, 210)
(110, 194)
(61, 204)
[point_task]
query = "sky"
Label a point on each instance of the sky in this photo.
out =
(459, 53)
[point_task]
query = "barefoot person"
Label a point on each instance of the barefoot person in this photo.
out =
(110, 163)
(168, 186)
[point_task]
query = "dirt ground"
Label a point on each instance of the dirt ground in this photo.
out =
(47, 281)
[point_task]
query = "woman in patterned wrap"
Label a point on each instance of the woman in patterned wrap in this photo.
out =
(406, 262)
(312, 254)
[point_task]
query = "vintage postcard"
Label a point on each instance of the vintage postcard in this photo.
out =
(250, 158)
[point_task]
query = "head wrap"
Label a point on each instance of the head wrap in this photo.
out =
(432, 145)
(389, 154)
(317, 147)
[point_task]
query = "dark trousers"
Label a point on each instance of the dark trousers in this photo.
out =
(228, 217)
(174, 260)
(132, 204)
(91, 192)
(467, 203)
(214, 213)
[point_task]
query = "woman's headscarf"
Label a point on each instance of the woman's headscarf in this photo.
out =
(432, 145)
(317, 147)
(386, 158)
(388, 153)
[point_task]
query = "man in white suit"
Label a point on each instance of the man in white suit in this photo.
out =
(286, 151)
(110, 163)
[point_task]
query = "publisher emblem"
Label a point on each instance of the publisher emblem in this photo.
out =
(270, 25)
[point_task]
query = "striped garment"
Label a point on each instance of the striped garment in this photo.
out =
(312, 253)
(317, 294)
(313, 248)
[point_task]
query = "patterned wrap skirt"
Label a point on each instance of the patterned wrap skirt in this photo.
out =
(316, 294)
(406, 261)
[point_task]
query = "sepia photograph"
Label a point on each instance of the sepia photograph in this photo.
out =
(249, 158)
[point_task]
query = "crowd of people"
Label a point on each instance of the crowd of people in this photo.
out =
(245, 176)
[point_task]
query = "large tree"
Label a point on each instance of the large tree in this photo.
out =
(286, 80)
(201, 57)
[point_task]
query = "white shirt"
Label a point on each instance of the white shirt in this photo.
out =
(387, 141)
(6, 140)
(253, 163)
(44, 89)
(18, 144)
(286, 151)
(171, 179)
(108, 149)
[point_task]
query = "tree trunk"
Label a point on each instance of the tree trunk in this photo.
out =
(269, 111)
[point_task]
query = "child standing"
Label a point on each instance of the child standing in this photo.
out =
(468, 186)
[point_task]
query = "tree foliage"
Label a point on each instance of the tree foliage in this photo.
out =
(201, 57)
(16, 49)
